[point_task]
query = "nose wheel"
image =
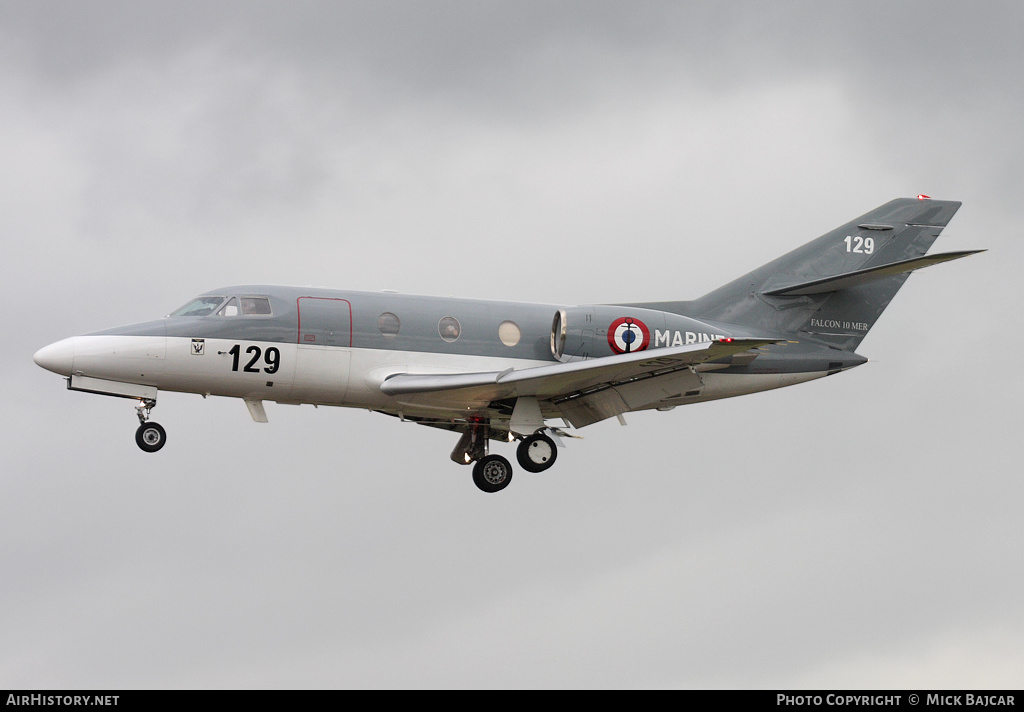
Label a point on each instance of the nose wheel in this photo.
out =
(150, 436)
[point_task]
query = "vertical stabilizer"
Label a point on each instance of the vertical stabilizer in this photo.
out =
(856, 262)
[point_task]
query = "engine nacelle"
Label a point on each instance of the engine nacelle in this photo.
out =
(594, 331)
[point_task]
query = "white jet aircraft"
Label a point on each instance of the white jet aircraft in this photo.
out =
(499, 371)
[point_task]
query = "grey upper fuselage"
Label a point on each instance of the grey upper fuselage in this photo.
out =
(419, 317)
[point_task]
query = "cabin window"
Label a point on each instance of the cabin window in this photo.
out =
(229, 309)
(255, 306)
(508, 332)
(200, 306)
(449, 328)
(389, 324)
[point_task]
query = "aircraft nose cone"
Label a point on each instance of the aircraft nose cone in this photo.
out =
(57, 357)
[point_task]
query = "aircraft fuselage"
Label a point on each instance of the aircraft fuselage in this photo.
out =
(334, 347)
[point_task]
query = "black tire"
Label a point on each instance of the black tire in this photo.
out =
(492, 473)
(150, 437)
(536, 453)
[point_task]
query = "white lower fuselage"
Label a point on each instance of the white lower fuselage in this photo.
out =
(322, 375)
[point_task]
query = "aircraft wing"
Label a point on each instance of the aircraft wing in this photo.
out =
(583, 391)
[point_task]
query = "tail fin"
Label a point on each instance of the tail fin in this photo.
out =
(834, 288)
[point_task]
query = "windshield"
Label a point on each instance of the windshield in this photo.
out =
(200, 306)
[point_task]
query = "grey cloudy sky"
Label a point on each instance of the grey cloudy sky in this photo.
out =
(859, 531)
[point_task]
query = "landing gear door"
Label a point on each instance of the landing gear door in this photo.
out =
(324, 353)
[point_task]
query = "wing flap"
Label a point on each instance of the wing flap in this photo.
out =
(591, 406)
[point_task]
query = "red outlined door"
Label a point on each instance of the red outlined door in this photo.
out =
(324, 322)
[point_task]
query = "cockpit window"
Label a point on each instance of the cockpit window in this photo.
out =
(226, 306)
(200, 306)
(255, 306)
(229, 309)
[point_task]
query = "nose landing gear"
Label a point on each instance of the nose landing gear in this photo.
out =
(150, 436)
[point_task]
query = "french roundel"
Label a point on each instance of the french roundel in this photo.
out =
(626, 335)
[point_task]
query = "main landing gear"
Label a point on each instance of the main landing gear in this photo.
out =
(493, 473)
(150, 436)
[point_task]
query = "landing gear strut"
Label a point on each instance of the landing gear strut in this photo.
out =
(150, 436)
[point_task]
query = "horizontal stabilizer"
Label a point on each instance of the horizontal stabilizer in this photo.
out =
(864, 276)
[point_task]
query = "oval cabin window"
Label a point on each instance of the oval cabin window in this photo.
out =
(449, 328)
(389, 324)
(508, 332)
